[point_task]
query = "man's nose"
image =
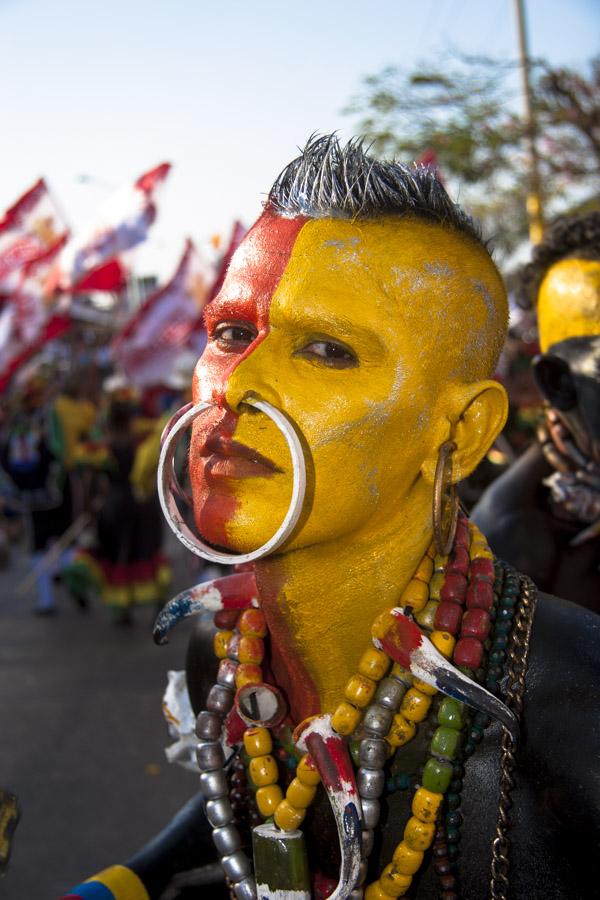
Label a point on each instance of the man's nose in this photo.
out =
(256, 376)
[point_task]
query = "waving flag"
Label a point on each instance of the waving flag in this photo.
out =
(148, 346)
(125, 223)
(112, 276)
(237, 235)
(29, 317)
(29, 230)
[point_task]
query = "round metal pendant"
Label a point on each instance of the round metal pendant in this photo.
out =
(260, 705)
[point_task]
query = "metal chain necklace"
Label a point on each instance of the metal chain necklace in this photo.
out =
(518, 655)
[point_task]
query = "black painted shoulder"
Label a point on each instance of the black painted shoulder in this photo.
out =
(516, 526)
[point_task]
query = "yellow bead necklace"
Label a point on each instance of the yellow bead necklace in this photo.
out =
(245, 646)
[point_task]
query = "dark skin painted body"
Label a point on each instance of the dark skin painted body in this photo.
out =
(556, 803)
(557, 798)
(515, 513)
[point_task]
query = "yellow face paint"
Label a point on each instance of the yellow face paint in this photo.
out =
(370, 329)
(569, 302)
(366, 326)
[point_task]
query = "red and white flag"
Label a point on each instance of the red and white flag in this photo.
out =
(31, 228)
(124, 224)
(149, 345)
(238, 232)
(29, 318)
(197, 339)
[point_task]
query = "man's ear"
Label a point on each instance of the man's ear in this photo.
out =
(476, 414)
(553, 377)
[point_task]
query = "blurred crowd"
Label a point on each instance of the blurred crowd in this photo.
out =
(79, 451)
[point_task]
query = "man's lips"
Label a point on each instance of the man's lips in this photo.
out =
(230, 459)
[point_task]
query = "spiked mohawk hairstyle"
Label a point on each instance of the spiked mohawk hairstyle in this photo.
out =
(344, 182)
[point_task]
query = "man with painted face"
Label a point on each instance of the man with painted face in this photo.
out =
(543, 514)
(366, 656)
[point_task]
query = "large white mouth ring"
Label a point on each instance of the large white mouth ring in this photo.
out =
(167, 487)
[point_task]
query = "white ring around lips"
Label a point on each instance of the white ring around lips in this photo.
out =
(174, 517)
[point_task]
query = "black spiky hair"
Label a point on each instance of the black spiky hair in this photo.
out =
(567, 237)
(345, 182)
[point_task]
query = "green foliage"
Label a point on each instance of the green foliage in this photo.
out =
(466, 110)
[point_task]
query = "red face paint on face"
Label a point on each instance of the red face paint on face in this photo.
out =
(240, 309)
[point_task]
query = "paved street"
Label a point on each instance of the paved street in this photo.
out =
(82, 737)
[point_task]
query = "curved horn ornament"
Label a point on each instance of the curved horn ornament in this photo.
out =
(405, 643)
(331, 756)
(231, 592)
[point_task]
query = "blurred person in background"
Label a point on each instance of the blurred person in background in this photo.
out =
(125, 565)
(73, 417)
(543, 514)
(525, 401)
(29, 456)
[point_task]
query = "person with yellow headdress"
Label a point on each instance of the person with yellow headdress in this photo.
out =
(543, 514)
(125, 565)
(382, 707)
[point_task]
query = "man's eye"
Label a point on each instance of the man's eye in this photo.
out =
(330, 353)
(234, 335)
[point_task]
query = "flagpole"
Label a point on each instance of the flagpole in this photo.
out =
(535, 208)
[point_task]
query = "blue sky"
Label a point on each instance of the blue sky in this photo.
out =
(224, 90)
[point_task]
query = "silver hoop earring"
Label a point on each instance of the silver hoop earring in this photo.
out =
(175, 486)
(168, 485)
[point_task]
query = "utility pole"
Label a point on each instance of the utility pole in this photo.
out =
(535, 209)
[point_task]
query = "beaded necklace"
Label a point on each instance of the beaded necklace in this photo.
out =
(465, 603)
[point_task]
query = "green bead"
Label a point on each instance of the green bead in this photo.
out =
(502, 628)
(453, 800)
(482, 720)
(445, 742)
(454, 820)
(476, 734)
(452, 835)
(450, 713)
(500, 641)
(437, 775)
(355, 753)
(505, 614)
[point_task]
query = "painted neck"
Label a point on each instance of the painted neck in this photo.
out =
(321, 600)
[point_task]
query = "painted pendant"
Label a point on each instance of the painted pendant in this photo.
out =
(280, 864)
